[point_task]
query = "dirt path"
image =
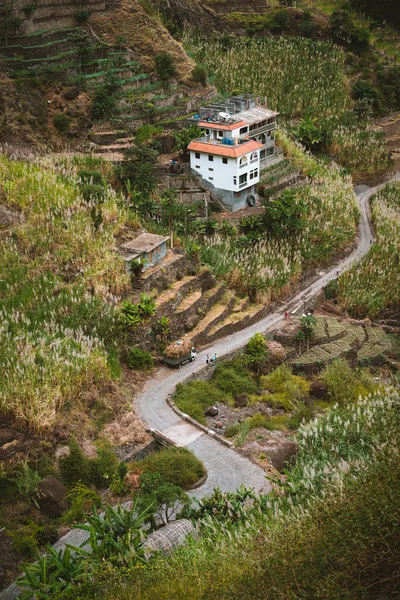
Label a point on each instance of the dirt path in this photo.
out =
(226, 469)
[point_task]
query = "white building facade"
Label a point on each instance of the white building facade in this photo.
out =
(232, 150)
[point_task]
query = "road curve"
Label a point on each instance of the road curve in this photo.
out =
(226, 468)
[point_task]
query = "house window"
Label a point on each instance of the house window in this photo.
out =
(197, 167)
(254, 174)
(197, 154)
(234, 180)
(206, 131)
(210, 157)
(243, 130)
(242, 179)
(225, 160)
(210, 169)
(243, 162)
(211, 179)
(270, 151)
(254, 157)
(220, 134)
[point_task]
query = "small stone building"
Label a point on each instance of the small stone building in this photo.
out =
(148, 248)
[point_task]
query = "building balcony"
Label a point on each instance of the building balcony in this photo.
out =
(262, 129)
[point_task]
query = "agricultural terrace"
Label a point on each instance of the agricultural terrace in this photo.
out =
(298, 78)
(55, 334)
(374, 285)
(268, 267)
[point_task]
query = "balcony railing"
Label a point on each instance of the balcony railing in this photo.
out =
(243, 185)
(243, 165)
(262, 129)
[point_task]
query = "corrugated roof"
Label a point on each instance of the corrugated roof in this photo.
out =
(232, 151)
(222, 126)
(145, 242)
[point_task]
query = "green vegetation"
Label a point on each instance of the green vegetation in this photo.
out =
(61, 122)
(140, 359)
(55, 338)
(286, 390)
(165, 65)
(178, 466)
(314, 222)
(332, 528)
(346, 384)
(374, 285)
(194, 397)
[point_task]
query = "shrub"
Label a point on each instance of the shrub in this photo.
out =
(178, 466)
(232, 378)
(75, 467)
(61, 122)
(199, 74)
(140, 360)
(346, 384)
(232, 430)
(104, 102)
(81, 16)
(93, 193)
(82, 501)
(288, 390)
(164, 64)
(103, 467)
(194, 397)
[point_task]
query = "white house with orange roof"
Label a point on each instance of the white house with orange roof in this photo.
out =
(233, 148)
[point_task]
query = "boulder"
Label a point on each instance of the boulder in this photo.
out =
(280, 451)
(51, 497)
(211, 411)
(319, 390)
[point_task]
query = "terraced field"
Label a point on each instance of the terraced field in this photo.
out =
(334, 339)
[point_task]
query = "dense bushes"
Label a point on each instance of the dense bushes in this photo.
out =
(232, 378)
(194, 397)
(177, 466)
(140, 359)
(346, 384)
(76, 468)
(286, 390)
(199, 74)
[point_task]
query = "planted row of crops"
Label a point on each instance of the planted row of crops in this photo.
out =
(374, 285)
(58, 269)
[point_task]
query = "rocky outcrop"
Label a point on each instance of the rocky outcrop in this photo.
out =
(51, 497)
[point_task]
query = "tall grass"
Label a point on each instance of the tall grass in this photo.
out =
(329, 532)
(60, 280)
(374, 285)
(273, 264)
(297, 77)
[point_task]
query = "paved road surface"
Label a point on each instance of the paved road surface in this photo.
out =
(226, 469)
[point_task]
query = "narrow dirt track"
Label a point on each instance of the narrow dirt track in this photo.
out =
(226, 469)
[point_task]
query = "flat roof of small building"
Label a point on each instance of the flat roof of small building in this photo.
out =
(222, 150)
(254, 115)
(222, 126)
(144, 242)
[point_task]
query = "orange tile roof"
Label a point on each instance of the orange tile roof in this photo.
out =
(220, 150)
(211, 125)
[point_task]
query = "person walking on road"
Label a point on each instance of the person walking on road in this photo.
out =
(207, 359)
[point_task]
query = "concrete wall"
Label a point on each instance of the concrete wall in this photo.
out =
(226, 176)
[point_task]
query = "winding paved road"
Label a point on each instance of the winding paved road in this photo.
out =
(226, 469)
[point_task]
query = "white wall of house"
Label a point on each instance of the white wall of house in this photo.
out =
(227, 173)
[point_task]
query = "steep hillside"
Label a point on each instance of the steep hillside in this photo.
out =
(56, 59)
